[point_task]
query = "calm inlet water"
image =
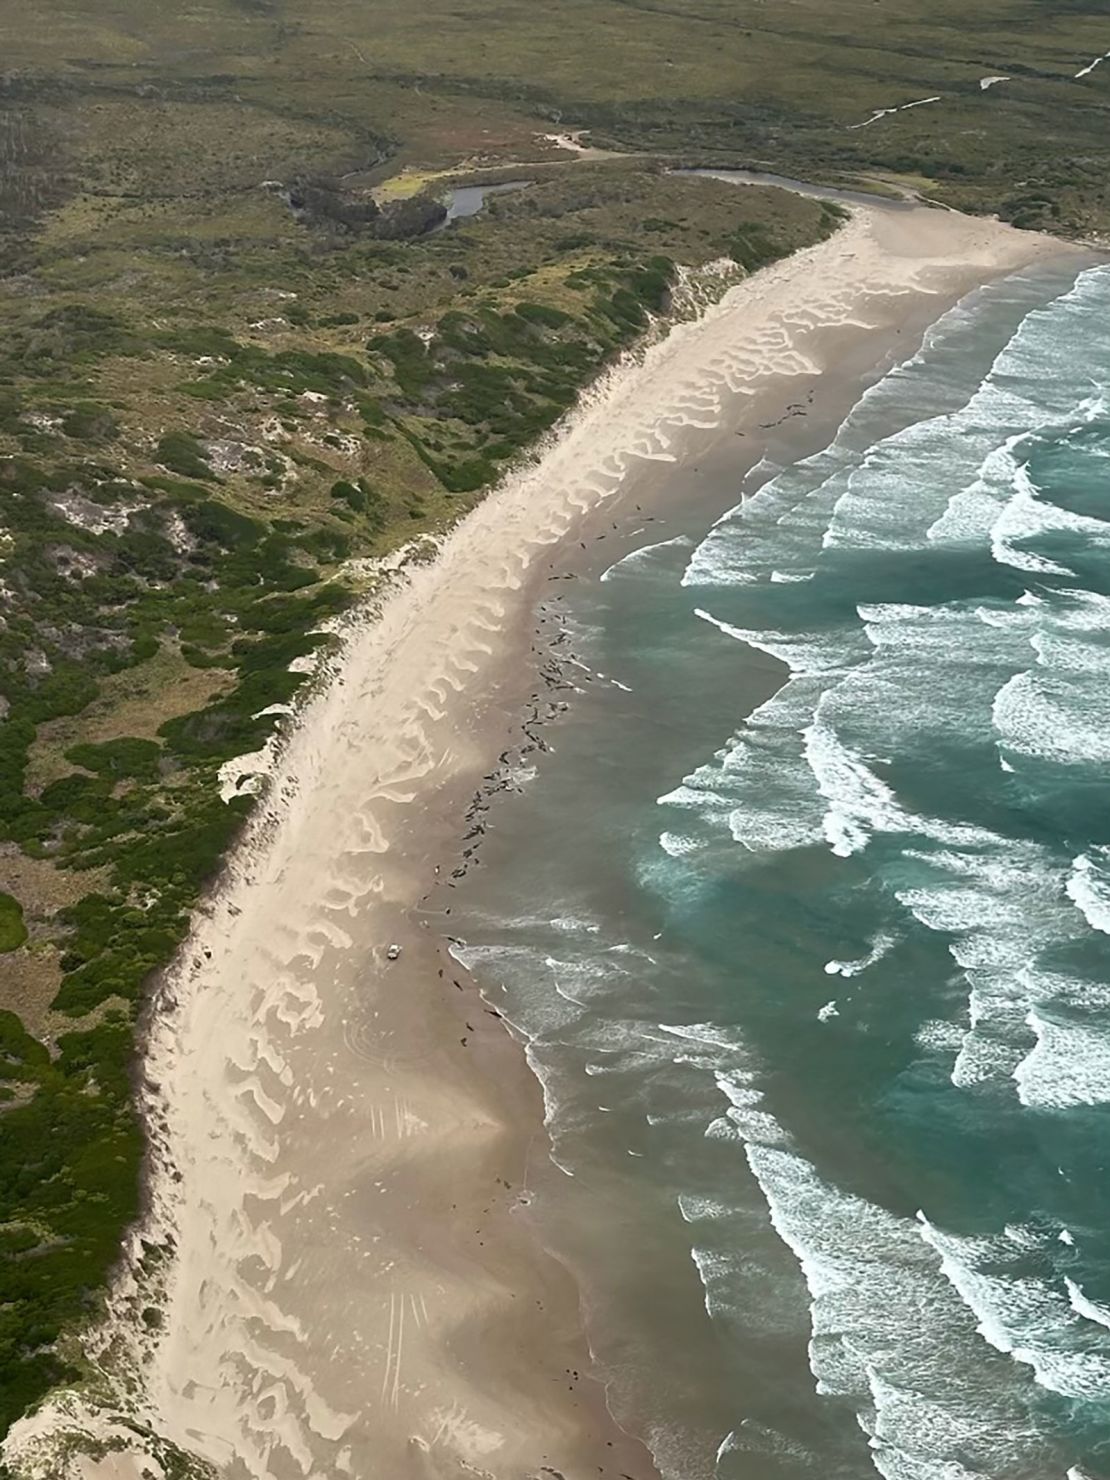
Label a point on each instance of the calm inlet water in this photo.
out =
(807, 921)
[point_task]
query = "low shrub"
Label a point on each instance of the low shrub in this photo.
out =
(13, 932)
(182, 453)
(120, 759)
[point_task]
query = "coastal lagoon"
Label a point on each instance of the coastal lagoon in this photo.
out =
(805, 920)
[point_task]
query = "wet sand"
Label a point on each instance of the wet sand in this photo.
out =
(344, 1278)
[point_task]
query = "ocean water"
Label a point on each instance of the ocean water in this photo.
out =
(806, 921)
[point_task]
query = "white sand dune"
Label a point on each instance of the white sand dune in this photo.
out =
(344, 1282)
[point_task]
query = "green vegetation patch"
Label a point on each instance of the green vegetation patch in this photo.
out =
(486, 383)
(68, 1184)
(182, 453)
(88, 422)
(13, 932)
(135, 760)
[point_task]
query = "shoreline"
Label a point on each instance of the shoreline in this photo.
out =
(381, 1309)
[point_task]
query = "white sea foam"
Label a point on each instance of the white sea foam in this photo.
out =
(973, 510)
(777, 528)
(1076, 610)
(1026, 1319)
(1054, 717)
(935, 1337)
(710, 1035)
(1039, 713)
(678, 845)
(800, 651)
(998, 899)
(758, 788)
(715, 1273)
(879, 948)
(1003, 905)
(574, 924)
(1088, 887)
(860, 803)
(1069, 1064)
(887, 1328)
(745, 1110)
(777, 533)
(639, 560)
(938, 1035)
(694, 1209)
(896, 697)
(1071, 654)
(825, 502)
(1025, 518)
(1090, 1310)
(563, 990)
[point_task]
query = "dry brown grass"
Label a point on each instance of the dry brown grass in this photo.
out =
(132, 703)
(40, 886)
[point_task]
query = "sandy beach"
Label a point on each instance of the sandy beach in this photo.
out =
(336, 1274)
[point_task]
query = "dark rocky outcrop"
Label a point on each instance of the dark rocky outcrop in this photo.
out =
(324, 201)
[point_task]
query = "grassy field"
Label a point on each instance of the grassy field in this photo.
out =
(135, 95)
(233, 365)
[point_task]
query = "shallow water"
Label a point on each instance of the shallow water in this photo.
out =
(468, 200)
(806, 920)
(804, 187)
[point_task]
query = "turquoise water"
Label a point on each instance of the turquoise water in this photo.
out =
(807, 921)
